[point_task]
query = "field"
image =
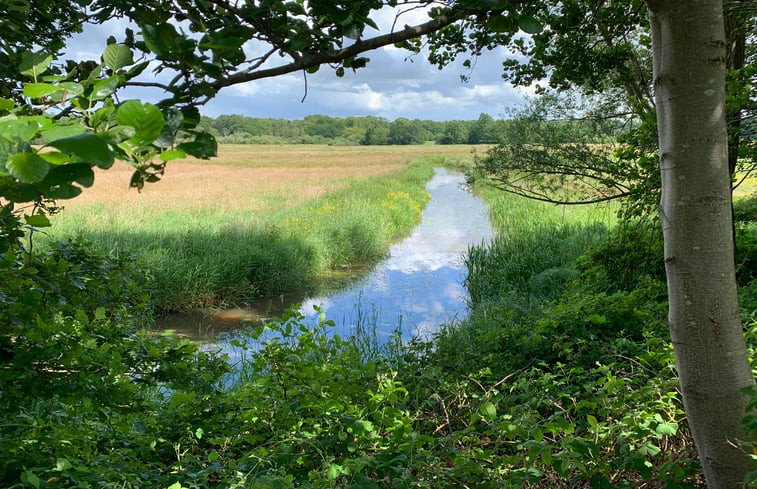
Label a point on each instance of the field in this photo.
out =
(257, 220)
(249, 178)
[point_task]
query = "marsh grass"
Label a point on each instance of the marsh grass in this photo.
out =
(222, 235)
(525, 268)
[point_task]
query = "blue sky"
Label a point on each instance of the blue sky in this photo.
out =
(394, 84)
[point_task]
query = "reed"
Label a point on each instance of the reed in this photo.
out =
(223, 235)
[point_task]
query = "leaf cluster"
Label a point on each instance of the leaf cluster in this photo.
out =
(68, 122)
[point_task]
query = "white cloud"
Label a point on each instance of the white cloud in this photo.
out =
(394, 84)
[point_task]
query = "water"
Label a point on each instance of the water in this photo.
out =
(420, 285)
(417, 288)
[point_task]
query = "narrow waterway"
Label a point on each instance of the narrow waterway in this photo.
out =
(419, 286)
(411, 293)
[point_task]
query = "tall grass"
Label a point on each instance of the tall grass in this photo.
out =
(523, 270)
(207, 255)
(535, 247)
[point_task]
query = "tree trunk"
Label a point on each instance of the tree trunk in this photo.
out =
(688, 40)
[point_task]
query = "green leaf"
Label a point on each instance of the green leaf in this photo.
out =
(597, 319)
(160, 38)
(23, 129)
(146, 120)
(37, 90)
(175, 485)
(199, 432)
(88, 148)
(104, 88)
(30, 477)
(27, 167)
(500, 23)
(60, 131)
(591, 420)
(529, 24)
(117, 56)
(668, 429)
(55, 157)
(34, 64)
(6, 148)
(39, 221)
(489, 411)
(80, 173)
(190, 117)
(204, 146)
(72, 87)
(649, 449)
(334, 471)
(102, 115)
(172, 155)
(22, 192)
(6, 104)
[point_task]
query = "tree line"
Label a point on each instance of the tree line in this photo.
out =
(372, 130)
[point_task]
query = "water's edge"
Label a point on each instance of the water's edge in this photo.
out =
(417, 288)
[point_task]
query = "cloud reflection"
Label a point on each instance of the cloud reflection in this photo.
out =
(420, 284)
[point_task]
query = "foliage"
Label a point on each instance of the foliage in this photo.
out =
(609, 63)
(430, 424)
(73, 116)
(562, 149)
(73, 365)
(72, 110)
(578, 390)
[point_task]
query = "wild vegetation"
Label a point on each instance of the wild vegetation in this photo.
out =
(260, 224)
(321, 129)
(77, 370)
(563, 376)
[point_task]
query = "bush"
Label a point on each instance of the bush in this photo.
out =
(629, 257)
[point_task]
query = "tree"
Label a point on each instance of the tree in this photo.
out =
(483, 131)
(307, 35)
(323, 125)
(377, 132)
(608, 63)
(455, 132)
(227, 125)
(695, 210)
(405, 131)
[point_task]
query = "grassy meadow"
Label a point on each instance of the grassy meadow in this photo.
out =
(257, 220)
(561, 377)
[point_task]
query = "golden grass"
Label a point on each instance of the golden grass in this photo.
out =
(747, 188)
(315, 155)
(253, 178)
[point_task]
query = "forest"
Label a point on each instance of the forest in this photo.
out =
(606, 344)
(321, 129)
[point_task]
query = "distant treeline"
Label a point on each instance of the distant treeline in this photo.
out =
(369, 130)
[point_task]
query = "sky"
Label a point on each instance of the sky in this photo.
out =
(394, 84)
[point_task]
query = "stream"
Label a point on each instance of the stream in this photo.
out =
(411, 293)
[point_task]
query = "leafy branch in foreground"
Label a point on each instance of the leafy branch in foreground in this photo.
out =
(70, 122)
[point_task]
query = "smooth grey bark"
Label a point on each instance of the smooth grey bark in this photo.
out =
(689, 51)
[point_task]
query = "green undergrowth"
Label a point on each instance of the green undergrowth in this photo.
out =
(558, 379)
(215, 258)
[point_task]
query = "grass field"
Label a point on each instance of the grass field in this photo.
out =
(257, 220)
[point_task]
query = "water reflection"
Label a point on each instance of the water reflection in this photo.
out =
(418, 288)
(420, 285)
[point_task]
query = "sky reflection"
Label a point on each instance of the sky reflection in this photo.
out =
(420, 285)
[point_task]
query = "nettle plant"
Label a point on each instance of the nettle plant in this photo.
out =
(67, 120)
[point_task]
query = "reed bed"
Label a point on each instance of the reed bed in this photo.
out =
(222, 233)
